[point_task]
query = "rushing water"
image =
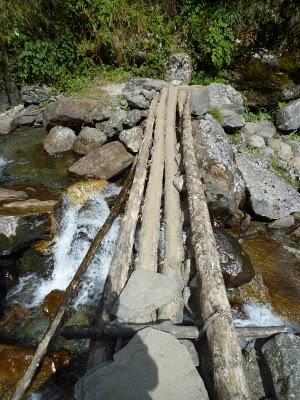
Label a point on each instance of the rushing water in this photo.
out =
(78, 227)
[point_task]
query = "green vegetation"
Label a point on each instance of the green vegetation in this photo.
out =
(261, 115)
(251, 150)
(235, 138)
(282, 104)
(295, 137)
(217, 114)
(283, 172)
(67, 43)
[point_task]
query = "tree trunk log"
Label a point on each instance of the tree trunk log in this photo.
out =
(228, 373)
(174, 253)
(119, 268)
(70, 293)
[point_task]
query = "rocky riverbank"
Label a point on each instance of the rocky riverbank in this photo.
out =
(251, 175)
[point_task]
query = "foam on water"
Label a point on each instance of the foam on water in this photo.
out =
(4, 161)
(78, 228)
(259, 315)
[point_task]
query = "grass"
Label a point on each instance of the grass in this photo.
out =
(283, 173)
(218, 115)
(261, 115)
(251, 150)
(282, 104)
(235, 138)
(295, 137)
(201, 78)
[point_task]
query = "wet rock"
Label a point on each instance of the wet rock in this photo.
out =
(52, 302)
(132, 119)
(115, 123)
(17, 231)
(89, 139)
(15, 360)
(82, 191)
(224, 187)
(236, 266)
(35, 94)
(10, 194)
(142, 369)
(179, 68)
(59, 140)
(104, 163)
(33, 261)
(272, 198)
(288, 117)
(281, 273)
(132, 138)
(216, 96)
(282, 355)
(265, 129)
(68, 112)
(256, 141)
(145, 292)
(232, 121)
(4, 275)
(30, 205)
(285, 222)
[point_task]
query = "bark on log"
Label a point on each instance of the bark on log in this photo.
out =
(174, 253)
(118, 270)
(179, 331)
(150, 229)
(228, 374)
(71, 291)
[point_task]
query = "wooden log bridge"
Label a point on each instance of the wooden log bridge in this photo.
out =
(156, 199)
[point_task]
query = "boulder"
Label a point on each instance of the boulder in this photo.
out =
(256, 141)
(132, 138)
(152, 365)
(10, 194)
(115, 123)
(282, 149)
(232, 121)
(265, 129)
(34, 94)
(28, 116)
(17, 231)
(132, 119)
(224, 186)
(72, 113)
(145, 84)
(295, 165)
(104, 163)
(145, 292)
(137, 100)
(282, 356)
(31, 205)
(236, 266)
(88, 140)
(179, 68)
(216, 96)
(285, 222)
(100, 114)
(59, 140)
(269, 195)
(288, 117)
(8, 119)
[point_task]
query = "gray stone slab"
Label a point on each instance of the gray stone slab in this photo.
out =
(153, 365)
(145, 291)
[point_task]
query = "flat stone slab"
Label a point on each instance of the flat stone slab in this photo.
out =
(103, 163)
(153, 365)
(10, 194)
(145, 291)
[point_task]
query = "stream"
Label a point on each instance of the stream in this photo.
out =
(24, 165)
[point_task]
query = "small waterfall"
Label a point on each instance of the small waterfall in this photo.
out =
(259, 315)
(78, 227)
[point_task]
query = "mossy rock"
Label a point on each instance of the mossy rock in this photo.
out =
(34, 262)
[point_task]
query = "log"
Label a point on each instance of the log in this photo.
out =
(174, 252)
(119, 268)
(125, 331)
(150, 229)
(191, 332)
(228, 374)
(71, 291)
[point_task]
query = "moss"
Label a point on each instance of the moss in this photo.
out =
(283, 172)
(251, 150)
(218, 115)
